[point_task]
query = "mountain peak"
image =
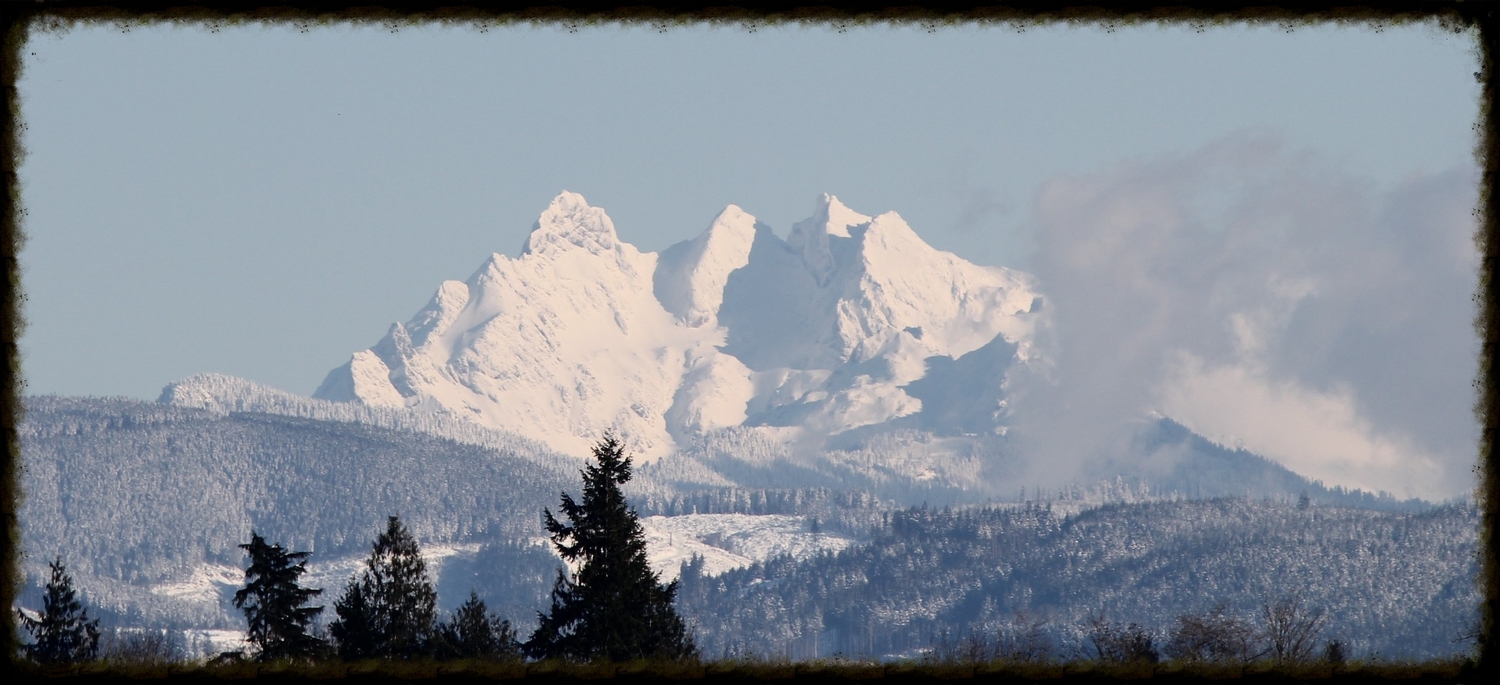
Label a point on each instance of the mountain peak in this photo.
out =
(837, 218)
(691, 275)
(810, 237)
(830, 217)
(569, 223)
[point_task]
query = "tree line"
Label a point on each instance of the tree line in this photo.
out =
(389, 612)
(926, 570)
(1286, 632)
(613, 607)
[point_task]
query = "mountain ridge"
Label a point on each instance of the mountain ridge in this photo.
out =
(582, 333)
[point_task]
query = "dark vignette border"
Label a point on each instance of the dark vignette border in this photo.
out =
(18, 18)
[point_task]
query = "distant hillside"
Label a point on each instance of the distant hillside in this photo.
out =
(147, 501)
(1204, 469)
(904, 465)
(1400, 584)
(140, 492)
(909, 466)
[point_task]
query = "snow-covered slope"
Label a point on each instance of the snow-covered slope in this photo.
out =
(220, 395)
(582, 333)
(560, 344)
(730, 541)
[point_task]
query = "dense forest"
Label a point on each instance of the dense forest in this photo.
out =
(136, 493)
(1399, 584)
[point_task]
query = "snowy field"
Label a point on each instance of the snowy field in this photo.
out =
(730, 541)
(213, 583)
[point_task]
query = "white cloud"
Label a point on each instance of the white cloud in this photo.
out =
(1319, 434)
(1331, 319)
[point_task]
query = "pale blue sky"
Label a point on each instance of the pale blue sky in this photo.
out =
(263, 202)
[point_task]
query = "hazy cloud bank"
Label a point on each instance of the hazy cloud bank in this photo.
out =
(1267, 299)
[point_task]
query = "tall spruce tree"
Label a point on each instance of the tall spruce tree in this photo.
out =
(614, 607)
(64, 634)
(391, 609)
(273, 602)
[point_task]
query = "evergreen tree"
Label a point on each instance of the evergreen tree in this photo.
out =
(273, 602)
(64, 634)
(390, 611)
(614, 608)
(354, 629)
(475, 633)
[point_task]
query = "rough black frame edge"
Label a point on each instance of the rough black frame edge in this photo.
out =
(19, 17)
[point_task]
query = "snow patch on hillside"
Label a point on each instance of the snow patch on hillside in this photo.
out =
(217, 583)
(730, 541)
(333, 574)
(206, 583)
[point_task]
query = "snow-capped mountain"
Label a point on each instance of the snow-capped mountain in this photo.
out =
(830, 329)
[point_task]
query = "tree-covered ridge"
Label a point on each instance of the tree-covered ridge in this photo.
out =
(909, 466)
(136, 492)
(1401, 584)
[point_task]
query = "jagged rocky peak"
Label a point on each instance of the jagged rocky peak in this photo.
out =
(830, 217)
(814, 237)
(569, 222)
(440, 312)
(562, 343)
(364, 378)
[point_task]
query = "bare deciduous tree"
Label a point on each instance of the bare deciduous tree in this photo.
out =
(1291, 629)
(1116, 644)
(142, 646)
(1025, 640)
(1215, 636)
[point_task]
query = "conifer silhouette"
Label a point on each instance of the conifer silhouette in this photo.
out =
(391, 609)
(354, 629)
(475, 633)
(64, 634)
(614, 608)
(273, 602)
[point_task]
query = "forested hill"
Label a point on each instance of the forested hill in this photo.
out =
(138, 491)
(1163, 459)
(1398, 584)
(1203, 469)
(147, 503)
